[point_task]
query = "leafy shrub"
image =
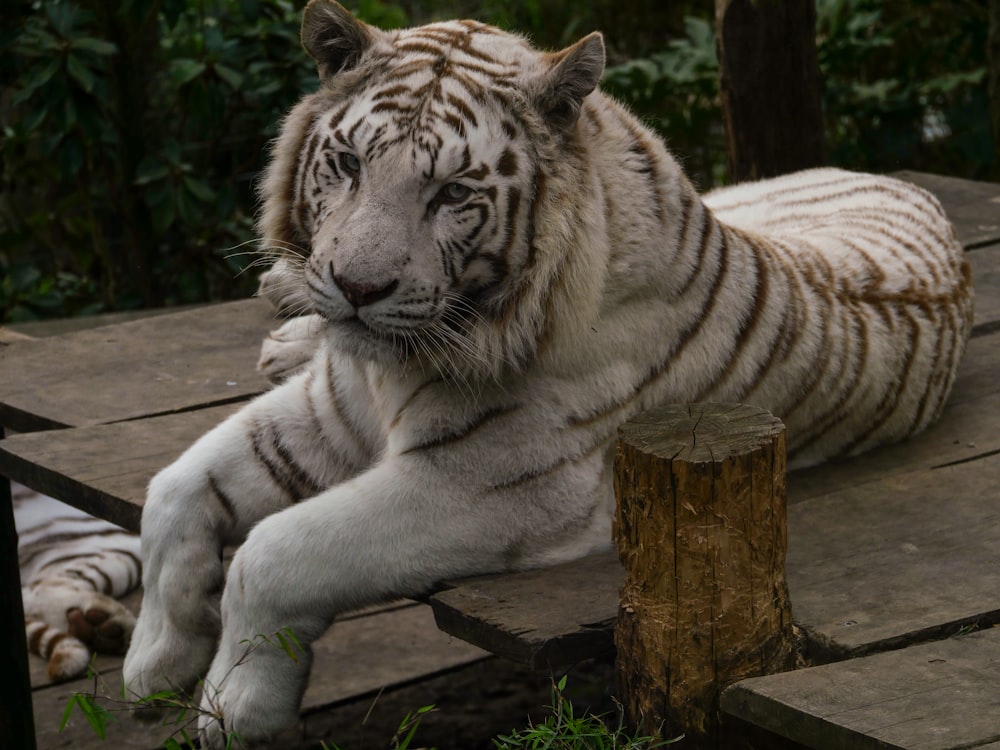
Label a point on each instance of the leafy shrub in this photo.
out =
(131, 133)
(131, 138)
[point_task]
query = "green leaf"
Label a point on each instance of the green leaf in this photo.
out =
(39, 77)
(230, 76)
(150, 169)
(162, 214)
(184, 71)
(97, 46)
(96, 716)
(79, 70)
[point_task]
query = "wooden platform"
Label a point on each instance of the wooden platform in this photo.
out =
(895, 548)
(941, 695)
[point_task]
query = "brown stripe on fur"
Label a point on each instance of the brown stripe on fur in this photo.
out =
(36, 631)
(298, 472)
(840, 180)
(279, 479)
(890, 401)
(749, 325)
(329, 449)
(356, 435)
(450, 438)
(545, 471)
(688, 206)
(821, 424)
(224, 501)
(463, 109)
(608, 410)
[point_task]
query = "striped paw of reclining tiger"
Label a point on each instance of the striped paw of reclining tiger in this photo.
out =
(73, 568)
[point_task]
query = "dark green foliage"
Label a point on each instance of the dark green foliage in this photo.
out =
(132, 132)
(906, 85)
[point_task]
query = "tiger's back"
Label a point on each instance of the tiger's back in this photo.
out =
(880, 305)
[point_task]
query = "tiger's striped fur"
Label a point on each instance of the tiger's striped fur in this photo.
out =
(74, 567)
(502, 265)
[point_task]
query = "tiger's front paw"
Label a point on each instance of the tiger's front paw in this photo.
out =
(252, 691)
(288, 349)
(164, 658)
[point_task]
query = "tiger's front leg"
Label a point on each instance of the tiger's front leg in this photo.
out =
(289, 444)
(392, 531)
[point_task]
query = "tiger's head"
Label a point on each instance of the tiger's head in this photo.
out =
(406, 192)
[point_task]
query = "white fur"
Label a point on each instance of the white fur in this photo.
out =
(423, 441)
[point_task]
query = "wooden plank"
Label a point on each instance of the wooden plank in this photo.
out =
(937, 696)
(547, 618)
(896, 561)
(152, 366)
(356, 659)
(973, 207)
(104, 469)
(985, 263)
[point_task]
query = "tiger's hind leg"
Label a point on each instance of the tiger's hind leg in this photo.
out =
(66, 620)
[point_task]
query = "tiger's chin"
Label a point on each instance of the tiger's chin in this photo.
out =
(356, 339)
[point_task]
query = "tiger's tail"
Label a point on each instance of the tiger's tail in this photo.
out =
(67, 656)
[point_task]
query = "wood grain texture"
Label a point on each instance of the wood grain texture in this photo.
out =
(937, 696)
(700, 530)
(160, 365)
(547, 619)
(104, 469)
(892, 562)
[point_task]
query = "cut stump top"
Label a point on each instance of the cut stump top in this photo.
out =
(701, 433)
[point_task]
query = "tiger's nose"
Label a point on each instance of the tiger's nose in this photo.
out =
(360, 295)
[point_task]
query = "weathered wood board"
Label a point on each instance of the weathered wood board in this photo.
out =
(543, 618)
(152, 366)
(356, 659)
(903, 559)
(104, 469)
(985, 263)
(943, 695)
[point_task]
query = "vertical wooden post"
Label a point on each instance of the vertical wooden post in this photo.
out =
(17, 720)
(769, 86)
(700, 529)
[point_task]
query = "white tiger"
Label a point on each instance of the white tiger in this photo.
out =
(73, 568)
(504, 265)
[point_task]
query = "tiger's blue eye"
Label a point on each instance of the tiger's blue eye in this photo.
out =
(349, 163)
(455, 192)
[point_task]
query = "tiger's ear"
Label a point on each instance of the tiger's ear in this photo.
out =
(576, 72)
(334, 38)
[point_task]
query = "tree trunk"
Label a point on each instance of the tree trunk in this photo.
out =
(993, 59)
(769, 85)
(700, 529)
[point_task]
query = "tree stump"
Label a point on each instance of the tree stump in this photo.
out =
(700, 529)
